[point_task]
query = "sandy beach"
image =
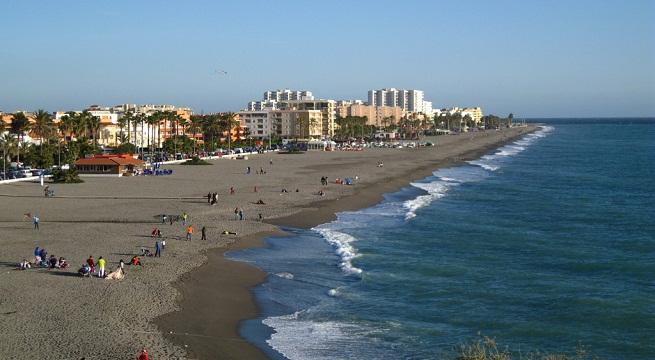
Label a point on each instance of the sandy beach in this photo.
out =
(187, 303)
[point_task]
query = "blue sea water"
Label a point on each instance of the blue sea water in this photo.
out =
(543, 244)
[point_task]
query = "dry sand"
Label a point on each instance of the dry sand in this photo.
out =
(164, 306)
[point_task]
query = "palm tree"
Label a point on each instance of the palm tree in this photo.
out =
(42, 127)
(229, 122)
(93, 123)
(19, 123)
(8, 143)
(139, 118)
(67, 125)
(122, 121)
(194, 125)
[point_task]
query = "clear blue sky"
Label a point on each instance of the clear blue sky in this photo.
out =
(532, 58)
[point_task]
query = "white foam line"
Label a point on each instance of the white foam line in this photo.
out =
(342, 244)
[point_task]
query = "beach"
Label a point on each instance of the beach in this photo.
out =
(188, 303)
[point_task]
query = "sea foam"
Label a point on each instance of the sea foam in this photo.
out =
(297, 338)
(435, 191)
(342, 244)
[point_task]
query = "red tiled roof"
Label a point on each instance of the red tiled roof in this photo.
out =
(109, 160)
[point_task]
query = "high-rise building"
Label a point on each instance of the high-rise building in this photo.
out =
(327, 108)
(408, 100)
(290, 123)
(286, 95)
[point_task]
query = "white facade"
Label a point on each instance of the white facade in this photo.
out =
(286, 95)
(283, 123)
(258, 123)
(262, 105)
(408, 100)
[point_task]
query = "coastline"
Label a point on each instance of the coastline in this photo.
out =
(216, 296)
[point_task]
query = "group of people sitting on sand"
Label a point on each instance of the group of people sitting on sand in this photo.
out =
(42, 260)
(89, 268)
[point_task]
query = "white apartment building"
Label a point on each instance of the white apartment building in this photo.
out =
(262, 105)
(409, 100)
(258, 123)
(286, 95)
(263, 125)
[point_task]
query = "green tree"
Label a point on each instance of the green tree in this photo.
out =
(19, 124)
(9, 146)
(194, 126)
(43, 127)
(122, 121)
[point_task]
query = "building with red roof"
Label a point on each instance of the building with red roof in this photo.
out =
(123, 164)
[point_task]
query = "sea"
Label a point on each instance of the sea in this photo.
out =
(546, 244)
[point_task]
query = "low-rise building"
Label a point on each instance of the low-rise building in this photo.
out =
(380, 116)
(109, 165)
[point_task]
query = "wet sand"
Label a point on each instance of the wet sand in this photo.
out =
(188, 303)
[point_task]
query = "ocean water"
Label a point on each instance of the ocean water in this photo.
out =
(543, 244)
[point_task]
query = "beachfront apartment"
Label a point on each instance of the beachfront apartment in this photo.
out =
(263, 125)
(380, 116)
(474, 112)
(409, 100)
(258, 123)
(327, 108)
(287, 95)
(302, 124)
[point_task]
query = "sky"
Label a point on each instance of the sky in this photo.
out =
(573, 58)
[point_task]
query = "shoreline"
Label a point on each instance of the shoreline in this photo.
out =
(214, 333)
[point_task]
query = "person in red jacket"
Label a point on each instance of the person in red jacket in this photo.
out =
(91, 263)
(143, 355)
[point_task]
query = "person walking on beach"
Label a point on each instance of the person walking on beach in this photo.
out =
(270, 162)
(143, 355)
(232, 191)
(35, 220)
(248, 170)
(203, 232)
(101, 267)
(157, 249)
(236, 213)
(189, 232)
(184, 218)
(240, 214)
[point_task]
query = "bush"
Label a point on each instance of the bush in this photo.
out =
(196, 161)
(70, 176)
(487, 349)
(126, 148)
